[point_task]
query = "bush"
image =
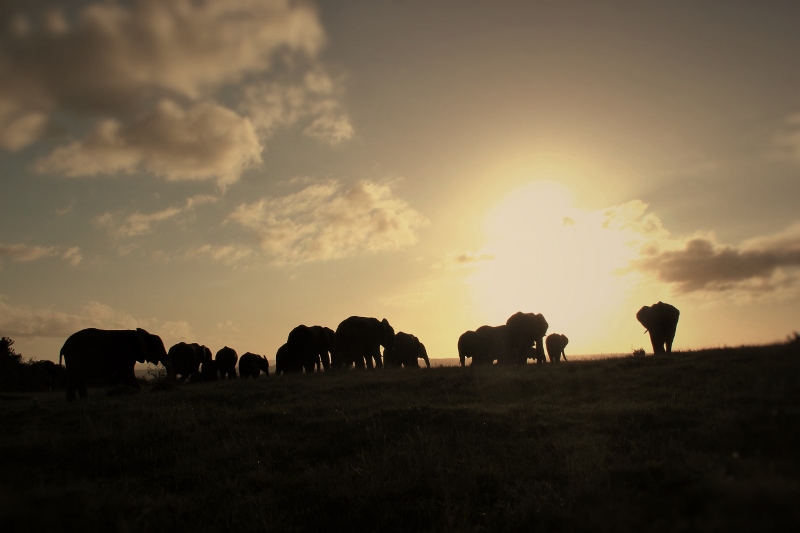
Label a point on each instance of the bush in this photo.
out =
(17, 375)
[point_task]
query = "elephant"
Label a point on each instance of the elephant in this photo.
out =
(358, 340)
(226, 362)
(525, 330)
(187, 358)
(109, 355)
(556, 343)
(406, 352)
(324, 341)
(251, 364)
(485, 345)
(283, 361)
(661, 320)
(208, 371)
(306, 347)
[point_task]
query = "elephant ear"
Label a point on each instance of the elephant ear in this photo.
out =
(543, 325)
(330, 337)
(643, 317)
(388, 333)
(143, 345)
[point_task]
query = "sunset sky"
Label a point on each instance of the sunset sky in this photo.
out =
(222, 171)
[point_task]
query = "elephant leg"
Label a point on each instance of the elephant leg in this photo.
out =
(658, 344)
(368, 360)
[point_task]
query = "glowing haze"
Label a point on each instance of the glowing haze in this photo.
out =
(222, 171)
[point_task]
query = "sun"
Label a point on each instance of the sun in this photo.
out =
(548, 256)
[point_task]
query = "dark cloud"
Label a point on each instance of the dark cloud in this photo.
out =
(703, 265)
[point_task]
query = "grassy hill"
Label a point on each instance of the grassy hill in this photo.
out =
(705, 441)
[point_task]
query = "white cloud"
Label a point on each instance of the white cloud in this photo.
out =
(228, 254)
(203, 142)
(323, 222)
(25, 321)
(21, 253)
(276, 104)
(152, 76)
(136, 224)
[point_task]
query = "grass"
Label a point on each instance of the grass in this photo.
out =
(702, 441)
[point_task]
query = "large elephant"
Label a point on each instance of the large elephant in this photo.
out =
(306, 347)
(556, 343)
(406, 352)
(187, 358)
(251, 365)
(526, 330)
(485, 345)
(109, 356)
(661, 320)
(226, 362)
(358, 340)
(324, 341)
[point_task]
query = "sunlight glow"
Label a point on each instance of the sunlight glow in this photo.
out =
(550, 257)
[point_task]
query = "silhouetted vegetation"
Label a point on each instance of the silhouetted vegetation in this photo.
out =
(697, 441)
(18, 375)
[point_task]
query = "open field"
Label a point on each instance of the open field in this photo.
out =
(706, 441)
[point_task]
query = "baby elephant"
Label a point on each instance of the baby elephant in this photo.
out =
(555, 346)
(251, 364)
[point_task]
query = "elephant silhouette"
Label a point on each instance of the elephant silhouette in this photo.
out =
(306, 347)
(284, 363)
(209, 371)
(226, 362)
(251, 365)
(187, 358)
(109, 356)
(406, 352)
(556, 343)
(484, 345)
(661, 321)
(511, 343)
(358, 341)
(526, 330)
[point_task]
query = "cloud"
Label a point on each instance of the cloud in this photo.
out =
(156, 82)
(22, 253)
(203, 142)
(25, 321)
(323, 221)
(271, 105)
(787, 140)
(136, 224)
(229, 254)
(764, 264)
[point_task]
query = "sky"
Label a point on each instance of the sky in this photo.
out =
(222, 171)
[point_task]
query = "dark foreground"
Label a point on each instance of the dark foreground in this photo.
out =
(704, 441)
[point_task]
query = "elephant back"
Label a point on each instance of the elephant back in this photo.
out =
(226, 359)
(251, 364)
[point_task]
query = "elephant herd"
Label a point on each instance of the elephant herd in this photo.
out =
(110, 355)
